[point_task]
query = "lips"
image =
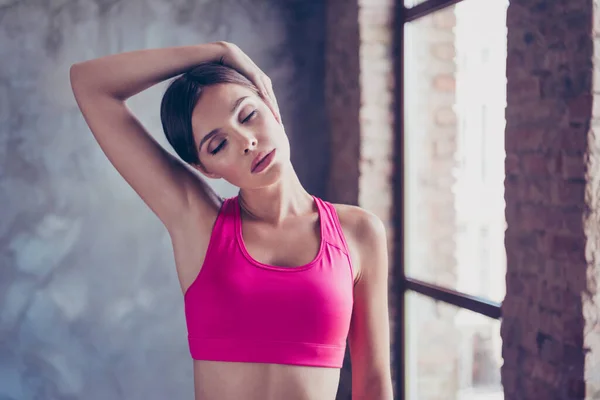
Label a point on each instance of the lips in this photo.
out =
(259, 160)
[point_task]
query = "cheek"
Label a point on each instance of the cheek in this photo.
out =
(273, 130)
(231, 166)
(217, 164)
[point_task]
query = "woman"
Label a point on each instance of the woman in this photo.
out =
(274, 279)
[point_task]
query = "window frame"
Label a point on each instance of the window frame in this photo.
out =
(402, 283)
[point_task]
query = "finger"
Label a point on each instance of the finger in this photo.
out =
(262, 87)
(273, 100)
(264, 94)
(272, 107)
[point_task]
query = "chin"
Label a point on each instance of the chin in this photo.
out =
(267, 178)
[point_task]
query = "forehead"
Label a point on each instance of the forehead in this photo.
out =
(214, 107)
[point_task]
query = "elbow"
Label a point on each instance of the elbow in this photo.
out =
(82, 82)
(82, 77)
(75, 76)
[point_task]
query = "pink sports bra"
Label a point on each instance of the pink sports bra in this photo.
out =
(241, 310)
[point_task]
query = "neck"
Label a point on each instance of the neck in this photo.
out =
(275, 203)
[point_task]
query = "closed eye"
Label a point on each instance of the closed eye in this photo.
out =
(219, 147)
(252, 114)
(224, 141)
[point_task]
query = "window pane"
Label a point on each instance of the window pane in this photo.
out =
(454, 101)
(451, 353)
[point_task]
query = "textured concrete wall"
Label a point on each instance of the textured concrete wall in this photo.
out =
(550, 313)
(90, 303)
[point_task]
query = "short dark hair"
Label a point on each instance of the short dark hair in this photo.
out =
(181, 97)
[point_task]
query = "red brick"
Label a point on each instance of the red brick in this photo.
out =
(511, 331)
(536, 191)
(573, 327)
(551, 324)
(580, 108)
(512, 164)
(573, 139)
(511, 356)
(515, 61)
(513, 305)
(523, 89)
(534, 165)
(563, 246)
(537, 389)
(545, 372)
(539, 217)
(529, 339)
(445, 116)
(555, 273)
(524, 139)
(444, 51)
(572, 220)
(444, 19)
(376, 34)
(510, 378)
(528, 364)
(553, 298)
(444, 83)
(575, 388)
(569, 192)
(573, 167)
(576, 278)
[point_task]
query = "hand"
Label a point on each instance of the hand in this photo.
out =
(235, 58)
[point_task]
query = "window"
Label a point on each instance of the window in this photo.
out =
(452, 262)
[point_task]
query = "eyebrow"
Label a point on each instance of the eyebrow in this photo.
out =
(216, 130)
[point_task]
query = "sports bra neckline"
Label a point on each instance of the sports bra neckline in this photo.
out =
(255, 262)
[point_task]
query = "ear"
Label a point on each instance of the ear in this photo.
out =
(200, 168)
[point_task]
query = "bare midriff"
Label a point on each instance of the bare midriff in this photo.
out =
(216, 380)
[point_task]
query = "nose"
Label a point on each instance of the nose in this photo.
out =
(251, 146)
(248, 141)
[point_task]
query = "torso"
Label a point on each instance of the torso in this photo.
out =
(282, 247)
(215, 380)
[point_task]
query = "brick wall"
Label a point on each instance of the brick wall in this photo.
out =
(377, 150)
(551, 202)
(591, 298)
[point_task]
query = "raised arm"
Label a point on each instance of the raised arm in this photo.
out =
(101, 86)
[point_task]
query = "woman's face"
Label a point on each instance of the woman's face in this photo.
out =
(234, 130)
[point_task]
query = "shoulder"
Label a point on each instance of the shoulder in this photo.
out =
(360, 223)
(364, 232)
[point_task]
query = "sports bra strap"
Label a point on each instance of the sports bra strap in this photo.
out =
(225, 222)
(332, 228)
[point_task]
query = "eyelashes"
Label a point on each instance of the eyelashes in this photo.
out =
(224, 141)
(219, 147)
(252, 114)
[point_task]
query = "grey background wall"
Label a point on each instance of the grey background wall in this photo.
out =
(90, 306)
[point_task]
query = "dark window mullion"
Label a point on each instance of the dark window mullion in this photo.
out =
(399, 279)
(426, 8)
(476, 304)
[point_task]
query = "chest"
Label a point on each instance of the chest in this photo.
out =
(294, 243)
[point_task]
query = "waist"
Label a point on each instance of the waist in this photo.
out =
(263, 381)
